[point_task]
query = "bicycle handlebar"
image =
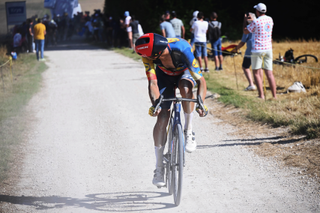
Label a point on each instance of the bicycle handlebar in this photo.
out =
(198, 101)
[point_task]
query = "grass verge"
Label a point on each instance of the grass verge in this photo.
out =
(300, 112)
(16, 90)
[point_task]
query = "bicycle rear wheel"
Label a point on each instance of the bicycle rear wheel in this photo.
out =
(177, 164)
(304, 58)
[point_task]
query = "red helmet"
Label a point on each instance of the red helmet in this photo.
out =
(151, 45)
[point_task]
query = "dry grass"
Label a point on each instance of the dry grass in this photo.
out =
(300, 110)
(297, 113)
(16, 90)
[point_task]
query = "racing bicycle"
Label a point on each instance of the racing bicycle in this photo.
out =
(174, 159)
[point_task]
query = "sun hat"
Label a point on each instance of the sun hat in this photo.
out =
(195, 13)
(261, 7)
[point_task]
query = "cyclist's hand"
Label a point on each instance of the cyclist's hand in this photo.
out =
(152, 113)
(201, 112)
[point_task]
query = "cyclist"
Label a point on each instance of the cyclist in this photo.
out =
(175, 67)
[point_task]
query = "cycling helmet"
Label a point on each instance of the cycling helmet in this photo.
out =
(151, 45)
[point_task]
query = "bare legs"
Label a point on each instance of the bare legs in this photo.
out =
(205, 61)
(247, 73)
(258, 78)
(218, 59)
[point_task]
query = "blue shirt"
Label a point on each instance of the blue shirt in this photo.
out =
(247, 38)
(167, 26)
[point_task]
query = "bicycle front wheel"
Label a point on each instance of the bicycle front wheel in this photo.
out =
(169, 158)
(177, 164)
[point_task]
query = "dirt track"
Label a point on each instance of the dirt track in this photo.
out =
(89, 148)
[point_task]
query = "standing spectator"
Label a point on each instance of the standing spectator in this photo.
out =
(177, 25)
(129, 28)
(17, 41)
(166, 28)
(135, 31)
(247, 39)
(39, 31)
(194, 18)
(89, 27)
(167, 16)
(30, 36)
(200, 28)
(261, 57)
(215, 40)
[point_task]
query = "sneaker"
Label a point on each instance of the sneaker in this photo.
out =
(250, 88)
(201, 69)
(220, 69)
(206, 70)
(42, 59)
(190, 140)
(158, 178)
(297, 87)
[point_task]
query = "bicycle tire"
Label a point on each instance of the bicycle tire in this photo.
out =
(296, 60)
(177, 167)
(169, 163)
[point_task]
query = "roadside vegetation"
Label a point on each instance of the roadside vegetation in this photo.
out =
(17, 86)
(299, 111)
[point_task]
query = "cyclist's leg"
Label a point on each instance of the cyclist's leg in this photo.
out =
(186, 85)
(159, 131)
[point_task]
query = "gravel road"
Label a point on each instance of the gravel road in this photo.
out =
(90, 149)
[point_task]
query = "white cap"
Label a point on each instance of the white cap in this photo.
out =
(261, 7)
(195, 13)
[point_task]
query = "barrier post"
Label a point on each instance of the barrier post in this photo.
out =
(235, 72)
(2, 79)
(10, 59)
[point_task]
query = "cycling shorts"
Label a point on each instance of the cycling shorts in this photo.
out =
(246, 62)
(170, 83)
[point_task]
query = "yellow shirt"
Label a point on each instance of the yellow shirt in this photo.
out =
(38, 31)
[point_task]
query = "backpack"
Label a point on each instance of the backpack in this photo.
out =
(214, 32)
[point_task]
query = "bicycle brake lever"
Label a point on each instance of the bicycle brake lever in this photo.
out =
(158, 104)
(200, 102)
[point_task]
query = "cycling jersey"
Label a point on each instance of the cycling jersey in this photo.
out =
(182, 58)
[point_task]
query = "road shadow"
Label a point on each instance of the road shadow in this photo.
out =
(143, 201)
(76, 43)
(253, 142)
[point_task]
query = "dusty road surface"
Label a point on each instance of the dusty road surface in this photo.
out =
(89, 148)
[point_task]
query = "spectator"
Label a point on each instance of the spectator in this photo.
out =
(17, 41)
(30, 35)
(167, 16)
(177, 25)
(200, 29)
(215, 40)
(166, 28)
(247, 39)
(135, 30)
(89, 27)
(129, 28)
(261, 57)
(194, 18)
(39, 31)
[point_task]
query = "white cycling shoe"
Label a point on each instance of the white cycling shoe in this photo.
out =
(158, 178)
(190, 140)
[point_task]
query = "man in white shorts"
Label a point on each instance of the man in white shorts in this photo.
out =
(261, 58)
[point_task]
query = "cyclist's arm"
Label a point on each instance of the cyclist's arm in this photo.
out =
(196, 73)
(153, 89)
(202, 88)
